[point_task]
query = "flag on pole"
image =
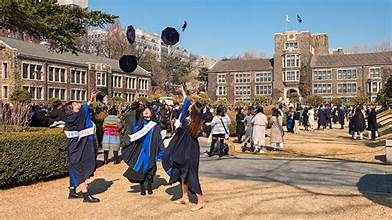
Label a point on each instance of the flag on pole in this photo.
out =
(287, 19)
(299, 19)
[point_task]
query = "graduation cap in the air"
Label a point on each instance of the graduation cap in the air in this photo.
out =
(170, 36)
(131, 34)
(128, 63)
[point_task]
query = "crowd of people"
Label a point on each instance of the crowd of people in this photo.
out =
(251, 128)
(143, 128)
(148, 132)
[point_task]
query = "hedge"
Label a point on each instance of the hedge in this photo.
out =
(34, 155)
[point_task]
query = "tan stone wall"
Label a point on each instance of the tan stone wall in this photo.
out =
(15, 76)
(7, 55)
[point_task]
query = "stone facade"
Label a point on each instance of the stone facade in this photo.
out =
(302, 64)
(65, 76)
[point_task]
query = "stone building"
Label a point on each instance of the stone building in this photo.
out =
(301, 64)
(46, 74)
(79, 3)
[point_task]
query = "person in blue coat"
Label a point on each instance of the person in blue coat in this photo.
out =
(142, 150)
(341, 116)
(81, 148)
(290, 120)
(322, 117)
(181, 157)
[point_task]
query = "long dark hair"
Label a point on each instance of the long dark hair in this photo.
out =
(196, 121)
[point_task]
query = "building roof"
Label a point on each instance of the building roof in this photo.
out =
(42, 52)
(242, 65)
(346, 60)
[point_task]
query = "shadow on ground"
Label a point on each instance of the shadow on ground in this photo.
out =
(155, 185)
(176, 192)
(377, 188)
(99, 186)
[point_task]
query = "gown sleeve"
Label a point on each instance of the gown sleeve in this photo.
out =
(184, 109)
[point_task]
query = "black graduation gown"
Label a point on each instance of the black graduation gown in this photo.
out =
(82, 153)
(359, 122)
(141, 155)
(181, 157)
(240, 128)
(372, 121)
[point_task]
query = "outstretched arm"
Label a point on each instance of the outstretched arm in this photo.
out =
(185, 105)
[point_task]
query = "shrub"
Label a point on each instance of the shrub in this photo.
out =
(16, 115)
(314, 100)
(232, 128)
(260, 100)
(20, 96)
(32, 156)
(359, 100)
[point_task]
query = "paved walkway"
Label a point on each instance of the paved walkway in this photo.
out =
(353, 176)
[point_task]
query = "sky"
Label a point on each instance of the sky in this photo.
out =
(227, 28)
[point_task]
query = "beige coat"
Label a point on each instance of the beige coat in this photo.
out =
(259, 123)
(276, 129)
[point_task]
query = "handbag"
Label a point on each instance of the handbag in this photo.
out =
(226, 132)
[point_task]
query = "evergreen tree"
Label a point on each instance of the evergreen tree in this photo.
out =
(45, 20)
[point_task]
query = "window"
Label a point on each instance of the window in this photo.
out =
(291, 45)
(5, 70)
(78, 77)
(5, 92)
(263, 90)
(100, 79)
(344, 88)
(242, 90)
(143, 84)
(374, 87)
(35, 92)
(56, 74)
(322, 88)
(263, 77)
(242, 77)
(117, 81)
(221, 91)
(221, 78)
(31, 71)
(374, 72)
(117, 94)
(319, 75)
(130, 97)
(131, 82)
(243, 99)
(347, 74)
(56, 93)
(291, 76)
(78, 95)
(290, 60)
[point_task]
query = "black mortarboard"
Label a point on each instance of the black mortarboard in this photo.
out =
(170, 36)
(131, 34)
(128, 63)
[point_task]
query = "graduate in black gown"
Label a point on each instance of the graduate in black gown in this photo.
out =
(181, 157)
(142, 151)
(81, 147)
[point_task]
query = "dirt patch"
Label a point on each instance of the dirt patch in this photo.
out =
(328, 144)
(225, 199)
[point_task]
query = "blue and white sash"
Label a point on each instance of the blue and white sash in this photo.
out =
(142, 132)
(80, 134)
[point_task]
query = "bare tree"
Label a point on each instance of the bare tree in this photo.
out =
(252, 54)
(384, 45)
(115, 42)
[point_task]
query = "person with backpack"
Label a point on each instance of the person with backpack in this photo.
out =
(219, 130)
